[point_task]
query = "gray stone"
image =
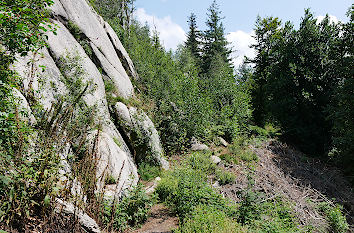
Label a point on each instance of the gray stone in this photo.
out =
(58, 9)
(23, 107)
(123, 114)
(223, 142)
(152, 188)
(86, 222)
(113, 155)
(81, 14)
(118, 77)
(121, 52)
(198, 146)
(113, 161)
(216, 185)
(43, 83)
(215, 159)
(133, 120)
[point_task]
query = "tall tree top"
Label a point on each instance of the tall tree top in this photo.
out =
(193, 37)
(214, 36)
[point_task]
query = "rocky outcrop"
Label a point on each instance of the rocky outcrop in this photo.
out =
(23, 107)
(139, 128)
(83, 35)
(93, 27)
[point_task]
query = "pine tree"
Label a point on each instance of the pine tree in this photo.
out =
(214, 39)
(121, 10)
(193, 37)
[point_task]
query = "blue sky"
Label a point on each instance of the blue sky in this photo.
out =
(170, 17)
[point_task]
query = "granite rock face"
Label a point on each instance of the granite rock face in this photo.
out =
(81, 33)
(139, 128)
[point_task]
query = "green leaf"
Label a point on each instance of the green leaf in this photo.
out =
(46, 200)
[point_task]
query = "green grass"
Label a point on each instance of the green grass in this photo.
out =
(239, 152)
(131, 211)
(209, 220)
(148, 172)
(186, 186)
(225, 177)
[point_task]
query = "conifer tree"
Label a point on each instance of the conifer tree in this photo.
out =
(214, 39)
(193, 37)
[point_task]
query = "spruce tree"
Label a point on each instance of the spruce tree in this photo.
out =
(193, 37)
(215, 43)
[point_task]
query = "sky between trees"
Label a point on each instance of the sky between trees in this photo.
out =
(170, 18)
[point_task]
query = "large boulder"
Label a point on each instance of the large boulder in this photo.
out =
(140, 130)
(110, 154)
(47, 85)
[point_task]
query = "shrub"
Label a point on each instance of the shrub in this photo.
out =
(335, 218)
(261, 214)
(239, 149)
(147, 171)
(225, 177)
(209, 220)
(200, 161)
(132, 210)
(185, 188)
(229, 158)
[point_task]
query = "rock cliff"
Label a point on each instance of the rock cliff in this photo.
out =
(82, 34)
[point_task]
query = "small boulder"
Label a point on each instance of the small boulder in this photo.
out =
(198, 146)
(223, 142)
(87, 223)
(216, 184)
(152, 188)
(215, 159)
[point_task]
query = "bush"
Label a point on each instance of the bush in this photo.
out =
(335, 218)
(266, 215)
(131, 211)
(209, 220)
(239, 149)
(229, 158)
(186, 187)
(200, 161)
(148, 172)
(225, 177)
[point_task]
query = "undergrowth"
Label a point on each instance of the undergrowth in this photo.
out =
(335, 217)
(238, 152)
(187, 190)
(148, 172)
(31, 157)
(131, 211)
